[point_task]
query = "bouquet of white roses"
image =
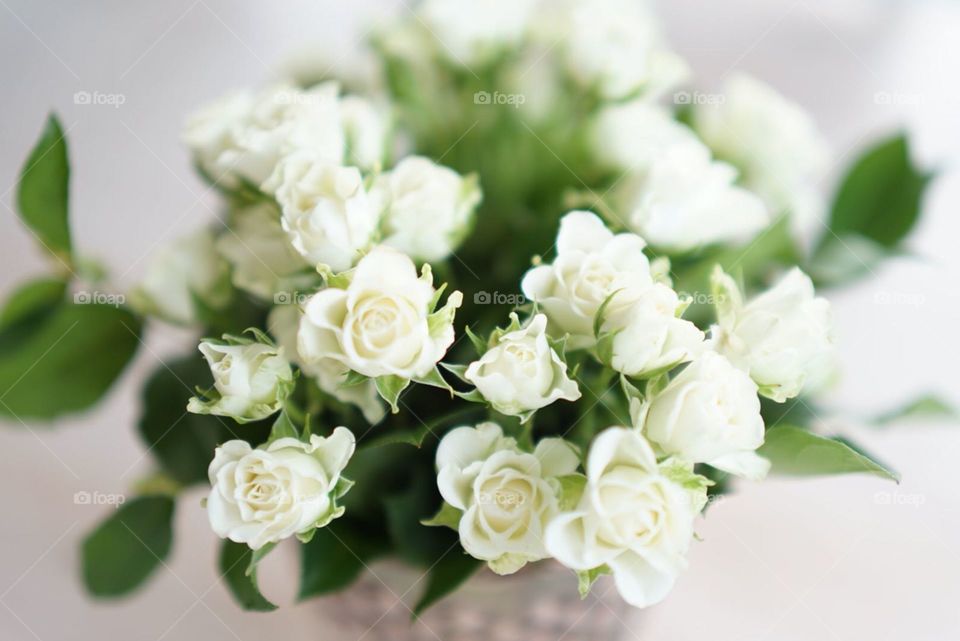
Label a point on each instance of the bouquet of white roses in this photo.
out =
(517, 294)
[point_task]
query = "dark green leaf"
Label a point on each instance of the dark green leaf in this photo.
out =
(414, 542)
(795, 451)
(880, 196)
(66, 361)
(31, 300)
(43, 192)
(122, 552)
(446, 575)
(239, 572)
(335, 556)
(181, 442)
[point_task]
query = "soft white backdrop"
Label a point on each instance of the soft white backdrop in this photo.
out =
(841, 559)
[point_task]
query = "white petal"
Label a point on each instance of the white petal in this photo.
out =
(557, 457)
(639, 583)
(748, 465)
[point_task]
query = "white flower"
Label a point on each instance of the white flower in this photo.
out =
(181, 276)
(591, 264)
(262, 496)
(473, 32)
(521, 373)
(774, 143)
(329, 374)
(710, 413)
(251, 380)
(259, 251)
(648, 336)
(507, 496)
(686, 201)
(631, 136)
(616, 48)
(366, 127)
(632, 517)
(247, 135)
(427, 208)
(383, 323)
(782, 338)
(326, 210)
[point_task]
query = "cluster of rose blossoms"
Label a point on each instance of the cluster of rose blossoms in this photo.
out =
(335, 217)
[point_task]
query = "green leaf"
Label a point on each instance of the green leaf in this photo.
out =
(795, 451)
(435, 379)
(843, 259)
(586, 579)
(31, 300)
(571, 490)
(412, 541)
(446, 516)
(122, 552)
(445, 576)
(925, 407)
(479, 344)
(336, 556)
(181, 442)
(66, 361)
(238, 569)
(880, 196)
(283, 427)
(43, 191)
(390, 388)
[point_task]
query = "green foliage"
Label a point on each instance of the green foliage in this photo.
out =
(32, 300)
(795, 451)
(924, 408)
(448, 573)
(64, 360)
(122, 552)
(182, 442)
(337, 555)
(238, 567)
(43, 191)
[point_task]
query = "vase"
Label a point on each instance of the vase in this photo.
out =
(538, 603)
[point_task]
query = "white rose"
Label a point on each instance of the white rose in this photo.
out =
(262, 496)
(710, 413)
(616, 48)
(686, 201)
(473, 32)
(326, 210)
(366, 127)
(631, 136)
(507, 496)
(782, 338)
(329, 374)
(521, 372)
(631, 517)
(591, 264)
(259, 251)
(427, 208)
(250, 380)
(182, 274)
(382, 324)
(648, 336)
(774, 143)
(276, 122)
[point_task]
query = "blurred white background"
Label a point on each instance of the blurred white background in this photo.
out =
(839, 558)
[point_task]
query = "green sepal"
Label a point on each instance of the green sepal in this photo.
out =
(446, 516)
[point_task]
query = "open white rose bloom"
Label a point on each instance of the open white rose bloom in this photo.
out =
(534, 311)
